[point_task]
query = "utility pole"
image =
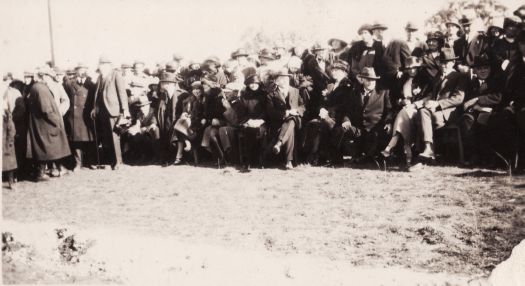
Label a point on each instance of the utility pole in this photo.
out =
(51, 32)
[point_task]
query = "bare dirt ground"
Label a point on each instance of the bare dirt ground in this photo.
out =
(308, 226)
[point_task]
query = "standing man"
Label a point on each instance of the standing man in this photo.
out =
(78, 123)
(46, 136)
(108, 107)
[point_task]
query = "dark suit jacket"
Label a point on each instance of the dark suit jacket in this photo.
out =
(395, 54)
(356, 53)
(78, 123)
(450, 92)
(114, 94)
(276, 107)
(376, 112)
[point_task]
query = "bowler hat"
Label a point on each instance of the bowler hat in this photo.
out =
(412, 62)
(239, 53)
(252, 79)
(447, 55)
(465, 22)
(341, 65)
(343, 43)
(368, 72)
(411, 26)
(168, 77)
(364, 27)
(481, 61)
(378, 26)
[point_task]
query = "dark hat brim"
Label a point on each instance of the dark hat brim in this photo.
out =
(337, 39)
(369, 77)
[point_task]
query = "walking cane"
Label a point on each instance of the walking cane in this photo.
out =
(98, 166)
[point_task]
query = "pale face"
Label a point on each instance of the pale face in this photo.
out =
(369, 84)
(410, 34)
(412, 72)
(378, 33)
(82, 72)
(169, 87)
(336, 44)
(447, 67)
(253, 86)
(282, 82)
(452, 30)
(338, 74)
(104, 68)
(366, 37)
(482, 72)
(28, 80)
(433, 45)
(197, 92)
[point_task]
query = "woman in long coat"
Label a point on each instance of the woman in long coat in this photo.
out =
(46, 136)
(9, 164)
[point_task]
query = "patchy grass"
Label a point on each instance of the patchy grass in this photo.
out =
(438, 219)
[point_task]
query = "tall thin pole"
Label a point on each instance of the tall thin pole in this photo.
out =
(51, 33)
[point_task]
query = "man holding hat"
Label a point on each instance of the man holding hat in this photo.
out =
(47, 139)
(79, 126)
(108, 106)
(366, 118)
(285, 109)
(441, 107)
(482, 96)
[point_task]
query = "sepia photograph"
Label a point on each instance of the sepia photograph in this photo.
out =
(275, 142)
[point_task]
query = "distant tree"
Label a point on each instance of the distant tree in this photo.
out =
(486, 10)
(253, 40)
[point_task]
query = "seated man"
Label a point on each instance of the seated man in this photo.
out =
(285, 109)
(483, 94)
(440, 107)
(318, 130)
(143, 135)
(366, 117)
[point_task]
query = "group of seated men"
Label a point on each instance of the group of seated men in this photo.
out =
(365, 99)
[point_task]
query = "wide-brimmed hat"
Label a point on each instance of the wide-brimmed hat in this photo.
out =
(412, 62)
(45, 70)
(340, 65)
(168, 77)
(266, 54)
(378, 26)
(464, 22)
(511, 21)
(212, 60)
(104, 59)
(411, 26)
(281, 72)
(437, 35)
(142, 101)
(453, 22)
(447, 55)
(364, 27)
(481, 61)
(81, 66)
(252, 79)
(317, 47)
(369, 73)
(343, 42)
(239, 53)
(520, 12)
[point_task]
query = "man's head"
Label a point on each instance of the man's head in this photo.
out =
(365, 32)
(138, 67)
(410, 30)
(412, 65)
(59, 74)
(337, 44)
(28, 77)
(435, 41)
(340, 70)
(127, 69)
(378, 30)
(511, 27)
(81, 70)
(453, 28)
(196, 88)
(104, 66)
(167, 82)
(266, 57)
(282, 79)
(447, 60)
(368, 78)
(46, 74)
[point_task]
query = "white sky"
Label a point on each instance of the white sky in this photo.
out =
(154, 30)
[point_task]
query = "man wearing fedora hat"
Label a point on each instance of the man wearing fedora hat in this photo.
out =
(285, 108)
(482, 96)
(170, 93)
(318, 131)
(378, 30)
(366, 118)
(47, 139)
(441, 107)
(415, 46)
(143, 134)
(79, 126)
(245, 66)
(267, 67)
(315, 66)
(108, 106)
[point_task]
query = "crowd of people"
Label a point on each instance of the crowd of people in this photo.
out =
(364, 99)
